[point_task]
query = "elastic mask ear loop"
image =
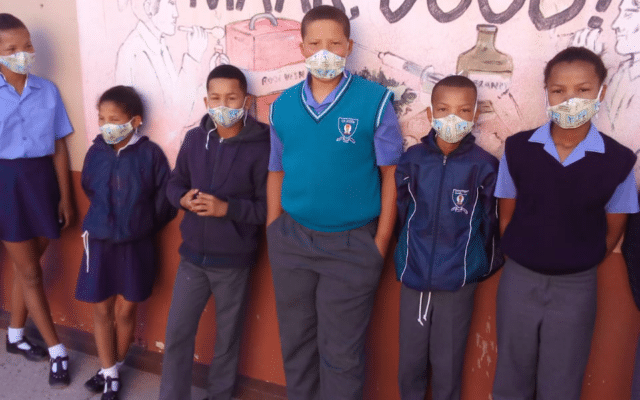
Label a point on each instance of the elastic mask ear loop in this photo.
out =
(246, 112)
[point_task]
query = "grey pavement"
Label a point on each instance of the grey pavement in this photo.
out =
(21, 379)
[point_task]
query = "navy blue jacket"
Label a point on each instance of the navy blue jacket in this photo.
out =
(233, 170)
(127, 191)
(447, 214)
(631, 253)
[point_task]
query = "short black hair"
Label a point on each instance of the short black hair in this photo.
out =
(230, 72)
(8, 22)
(571, 54)
(326, 13)
(456, 81)
(126, 98)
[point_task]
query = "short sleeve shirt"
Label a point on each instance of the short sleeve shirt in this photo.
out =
(624, 199)
(31, 123)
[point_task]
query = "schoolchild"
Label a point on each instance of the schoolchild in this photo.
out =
(447, 241)
(631, 253)
(34, 190)
(331, 209)
(220, 182)
(565, 190)
(125, 177)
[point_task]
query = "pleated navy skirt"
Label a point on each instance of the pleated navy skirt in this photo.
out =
(29, 198)
(108, 269)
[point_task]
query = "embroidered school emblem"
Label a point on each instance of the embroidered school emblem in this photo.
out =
(347, 127)
(460, 198)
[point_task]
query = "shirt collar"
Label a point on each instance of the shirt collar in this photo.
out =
(311, 101)
(593, 142)
(28, 83)
(153, 43)
(134, 139)
(634, 68)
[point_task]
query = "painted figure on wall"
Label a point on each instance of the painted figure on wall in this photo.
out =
(144, 61)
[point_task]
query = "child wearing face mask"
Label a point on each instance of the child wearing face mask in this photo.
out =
(220, 183)
(447, 242)
(35, 193)
(564, 192)
(335, 142)
(125, 177)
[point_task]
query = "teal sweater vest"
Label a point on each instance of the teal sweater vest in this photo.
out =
(331, 181)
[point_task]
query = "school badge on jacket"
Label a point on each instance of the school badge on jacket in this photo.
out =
(460, 198)
(347, 127)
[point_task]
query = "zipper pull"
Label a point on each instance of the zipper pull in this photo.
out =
(444, 160)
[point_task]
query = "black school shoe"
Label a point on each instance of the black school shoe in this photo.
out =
(95, 384)
(35, 353)
(111, 388)
(60, 378)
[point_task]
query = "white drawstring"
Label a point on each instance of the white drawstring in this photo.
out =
(85, 243)
(422, 317)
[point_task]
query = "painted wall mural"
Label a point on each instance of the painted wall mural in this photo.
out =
(165, 49)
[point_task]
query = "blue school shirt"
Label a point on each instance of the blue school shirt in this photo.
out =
(31, 123)
(387, 138)
(625, 197)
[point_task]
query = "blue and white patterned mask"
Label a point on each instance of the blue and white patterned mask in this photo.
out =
(226, 116)
(574, 112)
(20, 63)
(325, 64)
(113, 133)
(452, 128)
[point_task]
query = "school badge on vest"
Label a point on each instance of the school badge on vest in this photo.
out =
(347, 127)
(460, 198)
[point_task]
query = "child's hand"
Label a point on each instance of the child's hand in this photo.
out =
(206, 205)
(65, 213)
(187, 200)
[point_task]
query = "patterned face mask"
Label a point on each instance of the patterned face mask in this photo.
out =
(452, 128)
(20, 63)
(574, 112)
(226, 116)
(113, 133)
(325, 65)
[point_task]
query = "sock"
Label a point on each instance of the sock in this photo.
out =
(111, 372)
(119, 365)
(57, 351)
(15, 335)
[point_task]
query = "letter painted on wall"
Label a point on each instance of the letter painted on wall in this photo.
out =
(165, 48)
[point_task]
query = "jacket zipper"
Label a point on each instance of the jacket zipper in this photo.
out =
(213, 176)
(437, 219)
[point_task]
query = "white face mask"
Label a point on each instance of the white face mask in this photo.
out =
(574, 112)
(20, 63)
(452, 128)
(113, 133)
(325, 65)
(226, 116)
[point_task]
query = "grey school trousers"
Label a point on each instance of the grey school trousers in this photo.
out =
(193, 287)
(544, 326)
(433, 332)
(324, 286)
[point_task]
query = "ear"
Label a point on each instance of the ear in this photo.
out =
(136, 121)
(350, 49)
(249, 102)
(429, 114)
(477, 108)
(302, 48)
(146, 6)
(206, 103)
(604, 91)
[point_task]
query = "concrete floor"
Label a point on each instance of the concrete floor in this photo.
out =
(21, 379)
